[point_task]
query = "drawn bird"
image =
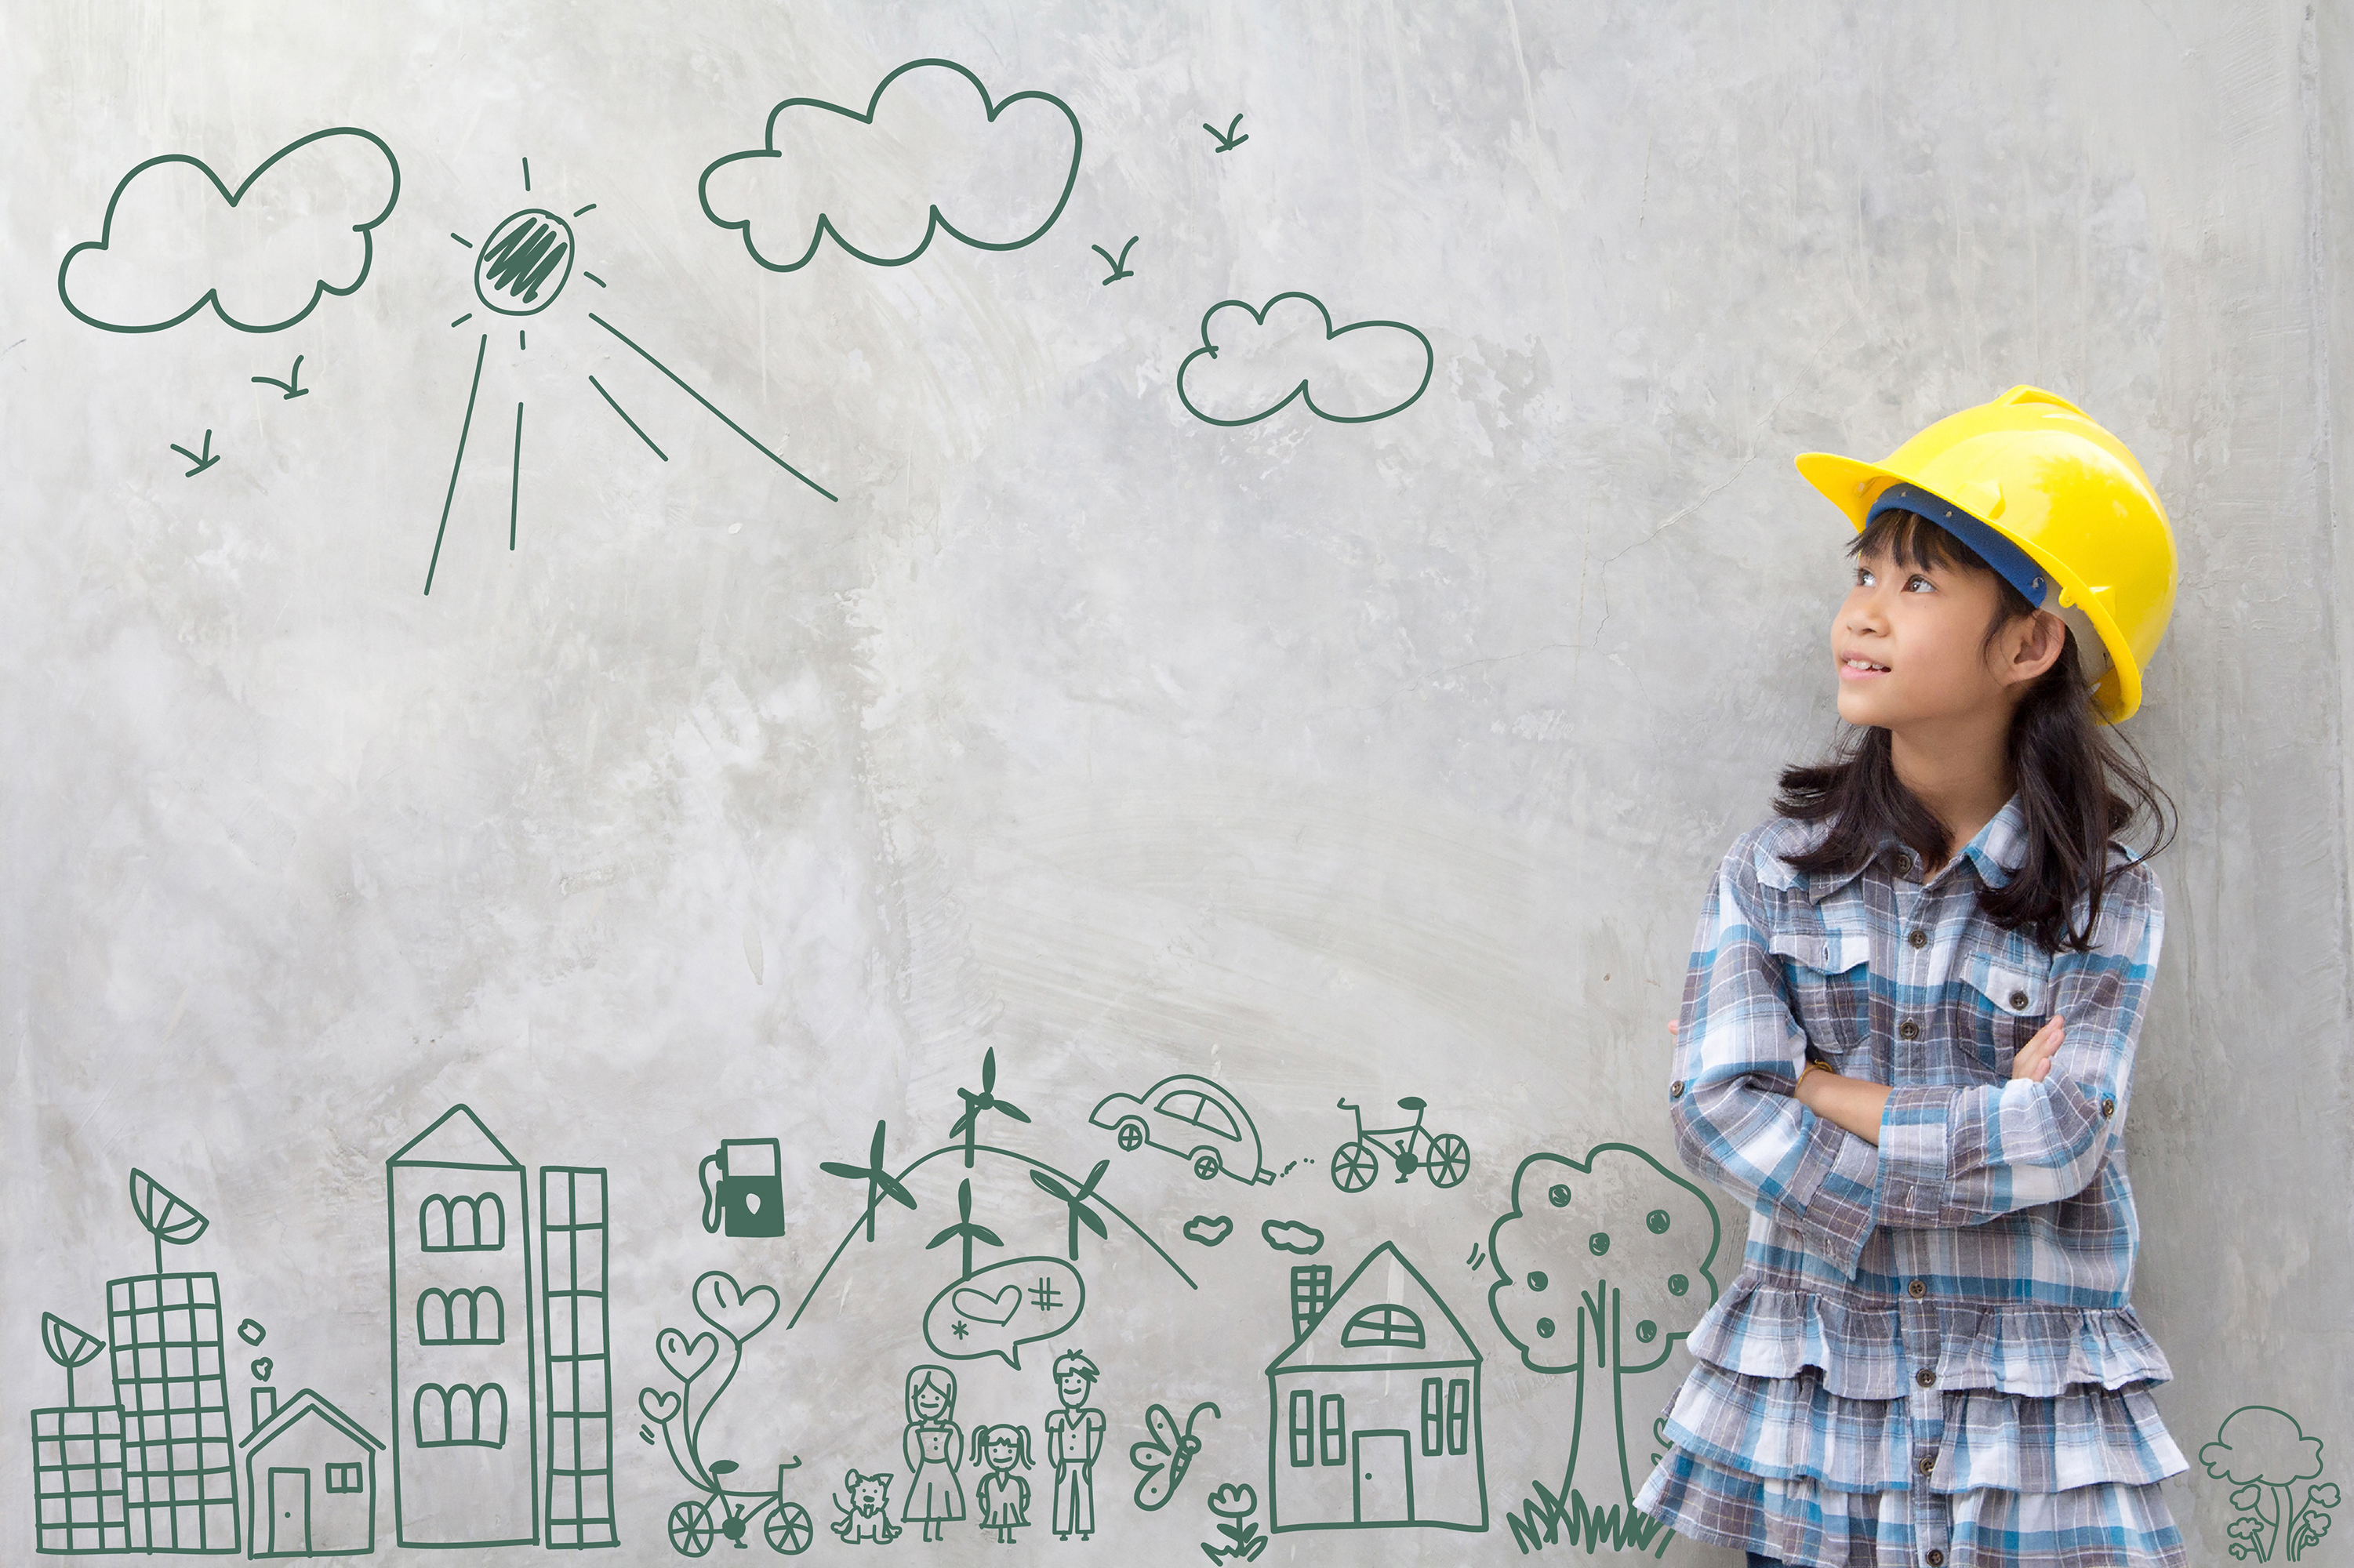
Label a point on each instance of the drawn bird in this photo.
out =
(202, 463)
(965, 1228)
(1164, 1456)
(1227, 139)
(880, 1182)
(986, 1100)
(1077, 1202)
(293, 386)
(1119, 268)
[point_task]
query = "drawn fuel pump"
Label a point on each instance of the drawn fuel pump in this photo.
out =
(749, 1190)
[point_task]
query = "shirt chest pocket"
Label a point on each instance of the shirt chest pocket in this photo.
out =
(1829, 977)
(2006, 997)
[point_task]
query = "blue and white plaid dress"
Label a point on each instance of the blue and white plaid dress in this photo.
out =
(1929, 1356)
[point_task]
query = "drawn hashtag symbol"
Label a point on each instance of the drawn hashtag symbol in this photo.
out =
(1043, 1294)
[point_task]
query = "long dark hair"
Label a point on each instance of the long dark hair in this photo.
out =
(2080, 785)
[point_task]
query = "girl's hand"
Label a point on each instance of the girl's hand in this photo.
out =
(2034, 1058)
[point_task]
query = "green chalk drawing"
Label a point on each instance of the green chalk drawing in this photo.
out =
(1166, 1454)
(2265, 1453)
(880, 1182)
(748, 1195)
(515, 483)
(1382, 366)
(1209, 1230)
(291, 387)
(261, 1367)
(1373, 1412)
(996, 1311)
(1074, 1198)
(70, 1347)
(1075, 1439)
(251, 1331)
(203, 462)
(986, 1100)
(1002, 1499)
(78, 1481)
(1226, 139)
(573, 1220)
(171, 1385)
(736, 1316)
(166, 1217)
(866, 1517)
(1233, 1506)
(755, 164)
(1192, 1117)
(965, 1231)
(530, 251)
(102, 275)
(310, 1473)
(1290, 1235)
(457, 462)
(934, 1446)
(1119, 264)
(1600, 1264)
(711, 407)
(1443, 1157)
(626, 419)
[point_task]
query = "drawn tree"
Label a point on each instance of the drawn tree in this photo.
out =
(1074, 1199)
(69, 1347)
(969, 1123)
(1605, 1266)
(2266, 1453)
(167, 1217)
(965, 1229)
(880, 1182)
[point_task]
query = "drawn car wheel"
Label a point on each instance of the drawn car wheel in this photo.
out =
(1206, 1163)
(690, 1529)
(1449, 1162)
(789, 1530)
(1355, 1168)
(1131, 1135)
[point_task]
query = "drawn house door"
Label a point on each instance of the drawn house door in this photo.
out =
(290, 1513)
(1384, 1483)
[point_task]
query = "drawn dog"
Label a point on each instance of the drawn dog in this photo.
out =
(867, 1515)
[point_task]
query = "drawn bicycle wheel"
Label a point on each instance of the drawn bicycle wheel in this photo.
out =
(789, 1530)
(690, 1529)
(1354, 1167)
(1449, 1162)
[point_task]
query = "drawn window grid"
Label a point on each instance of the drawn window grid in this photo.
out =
(462, 1415)
(1333, 1429)
(580, 1441)
(1434, 1415)
(1458, 1415)
(1303, 1428)
(1311, 1293)
(461, 1224)
(1182, 1106)
(1386, 1324)
(77, 1480)
(343, 1479)
(1212, 1116)
(477, 1316)
(179, 1471)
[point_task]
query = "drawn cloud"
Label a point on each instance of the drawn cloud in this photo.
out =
(931, 153)
(1209, 1230)
(1253, 362)
(1289, 1236)
(177, 238)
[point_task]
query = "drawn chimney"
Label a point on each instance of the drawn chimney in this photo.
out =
(265, 1405)
(1311, 1292)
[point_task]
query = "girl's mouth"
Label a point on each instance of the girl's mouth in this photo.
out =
(1854, 669)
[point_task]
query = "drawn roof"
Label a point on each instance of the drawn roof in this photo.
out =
(304, 1402)
(1398, 1284)
(459, 1140)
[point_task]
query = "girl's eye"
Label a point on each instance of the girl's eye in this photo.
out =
(1863, 578)
(1917, 581)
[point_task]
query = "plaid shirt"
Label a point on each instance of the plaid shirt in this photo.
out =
(1929, 1355)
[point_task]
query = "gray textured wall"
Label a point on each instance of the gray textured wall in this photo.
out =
(1328, 760)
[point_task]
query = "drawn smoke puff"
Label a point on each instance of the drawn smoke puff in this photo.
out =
(930, 153)
(177, 238)
(1252, 362)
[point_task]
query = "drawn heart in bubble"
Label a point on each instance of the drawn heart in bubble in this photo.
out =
(262, 1367)
(686, 1358)
(998, 1308)
(659, 1405)
(729, 1308)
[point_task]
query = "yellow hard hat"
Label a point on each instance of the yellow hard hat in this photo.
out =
(2051, 501)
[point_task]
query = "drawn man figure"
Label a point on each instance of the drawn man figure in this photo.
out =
(1074, 1435)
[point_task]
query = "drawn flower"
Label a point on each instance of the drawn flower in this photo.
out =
(1234, 1501)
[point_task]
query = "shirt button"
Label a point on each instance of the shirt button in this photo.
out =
(1918, 938)
(2108, 1106)
(1936, 1558)
(1908, 1030)
(2017, 1000)
(1918, 1288)
(1928, 1462)
(1926, 1377)
(1676, 1090)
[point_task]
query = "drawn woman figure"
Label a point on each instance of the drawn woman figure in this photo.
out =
(935, 1449)
(1003, 1497)
(1074, 1435)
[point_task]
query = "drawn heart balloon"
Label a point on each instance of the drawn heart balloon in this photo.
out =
(729, 1308)
(659, 1405)
(998, 1308)
(686, 1358)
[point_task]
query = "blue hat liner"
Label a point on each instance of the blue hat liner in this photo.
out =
(2007, 560)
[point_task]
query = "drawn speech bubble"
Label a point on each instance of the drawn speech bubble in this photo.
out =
(1005, 1307)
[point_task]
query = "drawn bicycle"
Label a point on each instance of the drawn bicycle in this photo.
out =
(706, 1364)
(730, 1512)
(1443, 1157)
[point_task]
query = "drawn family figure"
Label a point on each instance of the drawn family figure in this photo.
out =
(935, 1450)
(1003, 1497)
(1075, 1436)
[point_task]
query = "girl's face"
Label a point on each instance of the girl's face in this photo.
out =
(930, 1402)
(1911, 644)
(1001, 1453)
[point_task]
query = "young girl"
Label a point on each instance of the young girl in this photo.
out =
(934, 1450)
(1003, 1497)
(1907, 1043)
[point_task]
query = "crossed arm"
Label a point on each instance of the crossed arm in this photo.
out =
(1856, 1104)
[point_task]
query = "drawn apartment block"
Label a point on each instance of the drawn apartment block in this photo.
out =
(309, 1477)
(77, 1480)
(1375, 1415)
(179, 1470)
(465, 1448)
(580, 1367)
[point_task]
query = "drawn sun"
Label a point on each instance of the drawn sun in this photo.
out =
(519, 271)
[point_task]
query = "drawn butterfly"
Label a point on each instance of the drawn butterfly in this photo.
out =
(1165, 1455)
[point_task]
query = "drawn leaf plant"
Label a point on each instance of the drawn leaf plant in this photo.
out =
(166, 1217)
(69, 1347)
(2266, 1453)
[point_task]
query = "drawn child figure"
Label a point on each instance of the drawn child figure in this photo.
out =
(1074, 1435)
(1908, 1034)
(1003, 1497)
(935, 1451)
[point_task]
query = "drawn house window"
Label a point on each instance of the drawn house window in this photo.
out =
(1434, 1415)
(1311, 1292)
(462, 1224)
(462, 1417)
(1333, 1421)
(344, 1477)
(1458, 1415)
(1383, 1324)
(1303, 1428)
(461, 1318)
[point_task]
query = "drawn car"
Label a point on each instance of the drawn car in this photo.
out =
(1194, 1118)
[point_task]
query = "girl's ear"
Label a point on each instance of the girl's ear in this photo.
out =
(2028, 647)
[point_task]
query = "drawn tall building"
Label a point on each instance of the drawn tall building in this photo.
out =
(465, 1448)
(170, 1384)
(579, 1365)
(78, 1493)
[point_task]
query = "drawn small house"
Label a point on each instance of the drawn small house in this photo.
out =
(1373, 1419)
(310, 1473)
